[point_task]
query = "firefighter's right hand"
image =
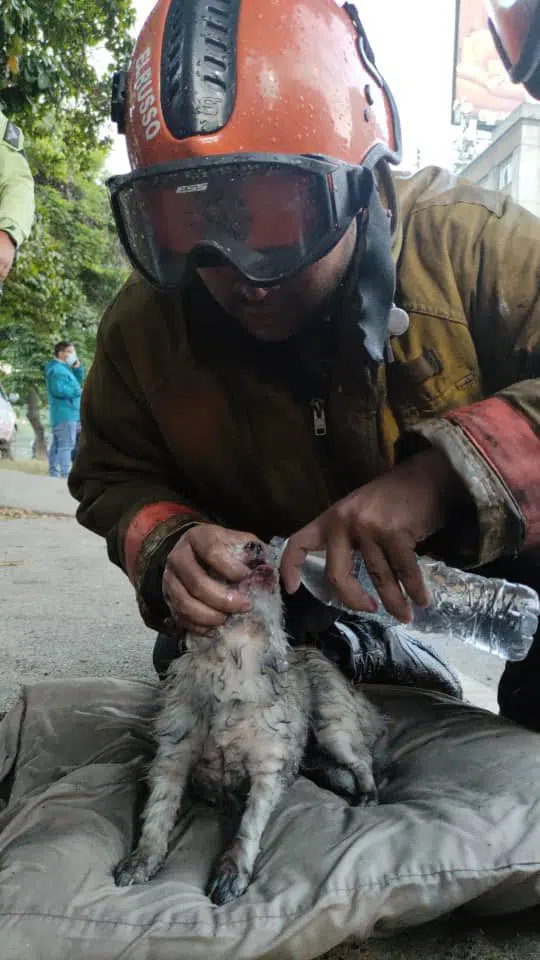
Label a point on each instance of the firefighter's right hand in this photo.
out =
(199, 603)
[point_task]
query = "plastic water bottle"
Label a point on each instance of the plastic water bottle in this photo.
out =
(493, 615)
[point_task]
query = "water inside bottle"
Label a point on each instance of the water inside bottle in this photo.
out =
(313, 577)
(493, 615)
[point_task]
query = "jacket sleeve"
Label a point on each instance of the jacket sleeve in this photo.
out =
(16, 185)
(62, 386)
(494, 444)
(78, 373)
(123, 475)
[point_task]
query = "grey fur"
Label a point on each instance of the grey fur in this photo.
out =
(238, 710)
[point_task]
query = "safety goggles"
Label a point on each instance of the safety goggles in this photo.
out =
(269, 216)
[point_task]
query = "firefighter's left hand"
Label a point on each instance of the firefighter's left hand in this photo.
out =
(383, 521)
(7, 254)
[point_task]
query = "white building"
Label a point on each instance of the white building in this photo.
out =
(511, 162)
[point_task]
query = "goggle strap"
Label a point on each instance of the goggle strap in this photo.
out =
(376, 280)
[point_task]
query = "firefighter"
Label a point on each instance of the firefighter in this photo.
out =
(309, 346)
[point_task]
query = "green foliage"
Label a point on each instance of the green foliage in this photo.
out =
(55, 83)
(56, 57)
(66, 274)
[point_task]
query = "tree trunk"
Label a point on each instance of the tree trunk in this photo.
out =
(32, 409)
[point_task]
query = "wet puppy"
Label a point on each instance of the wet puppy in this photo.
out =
(238, 711)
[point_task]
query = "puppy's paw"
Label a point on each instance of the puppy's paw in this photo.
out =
(366, 798)
(230, 881)
(137, 868)
(339, 780)
(342, 782)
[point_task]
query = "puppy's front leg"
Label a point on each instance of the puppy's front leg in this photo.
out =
(235, 868)
(168, 778)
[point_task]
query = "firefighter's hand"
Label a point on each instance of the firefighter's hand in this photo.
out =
(383, 522)
(7, 254)
(197, 602)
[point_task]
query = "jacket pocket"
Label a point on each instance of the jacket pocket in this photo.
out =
(435, 368)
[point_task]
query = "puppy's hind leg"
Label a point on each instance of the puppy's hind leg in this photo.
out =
(234, 870)
(342, 725)
(168, 778)
(351, 753)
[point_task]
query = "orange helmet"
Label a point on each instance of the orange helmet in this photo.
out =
(515, 25)
(255, 76)
(253, 127)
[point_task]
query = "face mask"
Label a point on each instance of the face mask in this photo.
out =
(71, 359)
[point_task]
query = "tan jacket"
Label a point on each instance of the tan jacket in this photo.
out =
(186, 417)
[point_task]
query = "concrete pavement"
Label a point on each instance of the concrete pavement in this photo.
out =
(33, 492)
(66, 611)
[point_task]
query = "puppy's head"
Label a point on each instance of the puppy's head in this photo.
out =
(263, 623)
(260, 559)
(261, 586)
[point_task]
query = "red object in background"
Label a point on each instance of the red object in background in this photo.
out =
(515, 25)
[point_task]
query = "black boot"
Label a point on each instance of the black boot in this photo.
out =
(369, 653)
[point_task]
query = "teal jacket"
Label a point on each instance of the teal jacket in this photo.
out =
(64, 388)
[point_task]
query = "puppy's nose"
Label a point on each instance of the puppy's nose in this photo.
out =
(254, 554)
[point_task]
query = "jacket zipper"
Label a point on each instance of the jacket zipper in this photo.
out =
(318, 411)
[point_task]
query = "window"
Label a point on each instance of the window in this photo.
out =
(505, 173)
